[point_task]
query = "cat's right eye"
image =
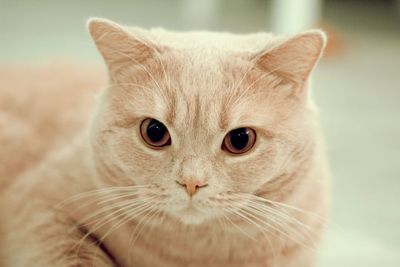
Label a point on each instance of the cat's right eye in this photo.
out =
(155, 133)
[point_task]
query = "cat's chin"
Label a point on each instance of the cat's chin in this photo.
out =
(191, 215)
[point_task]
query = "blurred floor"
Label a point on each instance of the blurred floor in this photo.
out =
(357, 91)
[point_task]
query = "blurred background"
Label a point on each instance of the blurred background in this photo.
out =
(356, 87)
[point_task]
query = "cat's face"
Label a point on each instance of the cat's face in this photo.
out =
(194, 126)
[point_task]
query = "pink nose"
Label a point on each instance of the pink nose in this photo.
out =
(191, 185)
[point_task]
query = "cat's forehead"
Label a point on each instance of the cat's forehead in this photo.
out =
(205, 90)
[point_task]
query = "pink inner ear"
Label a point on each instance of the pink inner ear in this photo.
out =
(294, 59)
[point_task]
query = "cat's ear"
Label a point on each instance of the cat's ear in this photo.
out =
(118, 46)
(294, 59)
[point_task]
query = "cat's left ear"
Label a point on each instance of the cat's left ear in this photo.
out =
(119, 45)
(294, 59)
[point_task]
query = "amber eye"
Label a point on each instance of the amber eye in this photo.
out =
(155, 133)
(239, 140)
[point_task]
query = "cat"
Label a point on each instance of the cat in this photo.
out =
(202, 150)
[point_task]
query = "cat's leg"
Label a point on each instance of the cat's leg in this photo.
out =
(40, 240)
(297, 256)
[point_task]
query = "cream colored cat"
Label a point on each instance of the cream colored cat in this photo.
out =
(203, 150)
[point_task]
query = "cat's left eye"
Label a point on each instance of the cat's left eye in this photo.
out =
(155, 133)
(239, 141)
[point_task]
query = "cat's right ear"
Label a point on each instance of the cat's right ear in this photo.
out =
(118, 46)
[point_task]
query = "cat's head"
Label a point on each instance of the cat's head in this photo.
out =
(192, 122)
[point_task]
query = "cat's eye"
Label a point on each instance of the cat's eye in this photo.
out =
(155, 133)
(239, 141)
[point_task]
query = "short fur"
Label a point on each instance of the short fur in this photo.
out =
(89, 192)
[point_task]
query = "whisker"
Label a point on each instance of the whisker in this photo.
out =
(260, 204)
(152, 211)
(96, 192)
(223, 226)
(265, 215)
(106, 220)
(230, 211)
(264, 232)
(125, 219)
(131, 195)
(121, 207)
(284, 224)
(306, 212)
(262, 207)
(249, 220)
(278, 230)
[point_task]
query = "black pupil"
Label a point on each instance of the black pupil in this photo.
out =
(239, 138)
(156, 131)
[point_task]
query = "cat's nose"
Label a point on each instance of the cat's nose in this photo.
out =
(191, 185)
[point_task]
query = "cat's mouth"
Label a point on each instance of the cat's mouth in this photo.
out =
(191, 209)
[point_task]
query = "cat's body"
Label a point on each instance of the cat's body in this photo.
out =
(40, 108)
(45, 212)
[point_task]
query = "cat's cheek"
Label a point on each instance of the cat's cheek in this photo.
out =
(248, 176)
(248, 173)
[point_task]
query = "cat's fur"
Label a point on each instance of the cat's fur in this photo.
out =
(263, 208)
